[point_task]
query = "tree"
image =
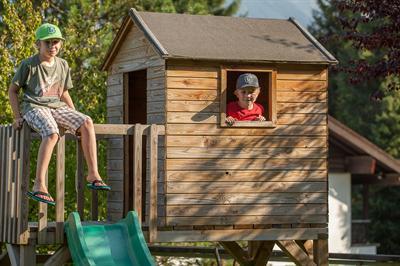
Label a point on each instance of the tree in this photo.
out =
(352, 83)
(373, 27)
(385, 228)
(348, 102)
(18, 20)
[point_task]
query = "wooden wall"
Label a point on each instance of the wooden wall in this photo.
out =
(245, 177)
(135, 53)
(225, 178)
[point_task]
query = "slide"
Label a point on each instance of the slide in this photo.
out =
(121, 243)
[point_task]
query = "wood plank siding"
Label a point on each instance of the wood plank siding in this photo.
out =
(219, 176)
(135, 53)
(245, 176)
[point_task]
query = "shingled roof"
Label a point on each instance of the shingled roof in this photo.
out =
(226, 38)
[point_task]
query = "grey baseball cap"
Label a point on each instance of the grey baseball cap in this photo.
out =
(247, 80)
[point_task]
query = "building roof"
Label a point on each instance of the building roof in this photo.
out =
(226, 38)
(361, 145)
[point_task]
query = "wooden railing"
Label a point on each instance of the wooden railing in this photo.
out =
(14, 176)
(14, 182)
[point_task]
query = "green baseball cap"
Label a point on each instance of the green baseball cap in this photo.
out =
(48, 31)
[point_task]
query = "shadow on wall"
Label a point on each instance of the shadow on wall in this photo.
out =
(225, 176)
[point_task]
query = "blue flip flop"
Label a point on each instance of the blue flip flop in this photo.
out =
(101, 186)
(33, 195)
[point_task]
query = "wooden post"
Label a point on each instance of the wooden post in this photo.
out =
(79, 180)
(321, 254)
(153, 139)
(137, 171)
(253, 249)
(15, 184)
(95, 202)
(23, 230)
(7, 233)
(60, 181)
(28, 254)
(264, 253)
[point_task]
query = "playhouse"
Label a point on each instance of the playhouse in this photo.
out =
(255, 181)
(172, 158)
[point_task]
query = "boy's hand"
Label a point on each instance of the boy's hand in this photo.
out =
(260, 118)
(17, 124)
(230, 120)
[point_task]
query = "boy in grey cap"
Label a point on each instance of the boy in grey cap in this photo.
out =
(245, 108)
(46, 105)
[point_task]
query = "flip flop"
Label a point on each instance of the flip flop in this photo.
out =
(98, 187)
(33, 195)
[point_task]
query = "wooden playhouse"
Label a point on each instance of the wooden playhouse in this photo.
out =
(261, 182)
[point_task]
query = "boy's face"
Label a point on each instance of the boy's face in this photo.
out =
(247, 95)
(50, 47)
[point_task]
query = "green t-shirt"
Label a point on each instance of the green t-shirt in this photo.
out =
(42, 85)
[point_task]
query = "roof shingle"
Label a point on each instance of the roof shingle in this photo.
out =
(231, 38)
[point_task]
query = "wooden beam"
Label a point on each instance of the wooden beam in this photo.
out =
(80, 180)
(270, 234)
(236, 251)
(118, 129)
(24, 184)
(321, 254)
(264, 253)
(253, 249)
(295, 252)
(27, 254)
(307, 246)
(137, 170)
(360, 164)
(153, 143)
(60, 189)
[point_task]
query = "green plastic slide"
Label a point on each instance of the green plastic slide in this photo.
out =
(119, 244)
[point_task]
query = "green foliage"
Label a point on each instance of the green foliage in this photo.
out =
(348, 103)
(385, 224)
(18, 21)
(387, 134)
(377, 121)
(89, 27)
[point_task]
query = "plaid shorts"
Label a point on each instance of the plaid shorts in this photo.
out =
(46, 120)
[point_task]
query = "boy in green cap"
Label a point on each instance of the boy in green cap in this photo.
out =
(46, 105)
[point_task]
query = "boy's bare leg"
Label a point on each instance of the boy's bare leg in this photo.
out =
(89, 147)
(43, 160)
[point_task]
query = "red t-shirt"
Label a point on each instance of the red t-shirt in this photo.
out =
(242, 114)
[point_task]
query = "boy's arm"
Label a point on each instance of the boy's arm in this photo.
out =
(65, 97)
(13, 96)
